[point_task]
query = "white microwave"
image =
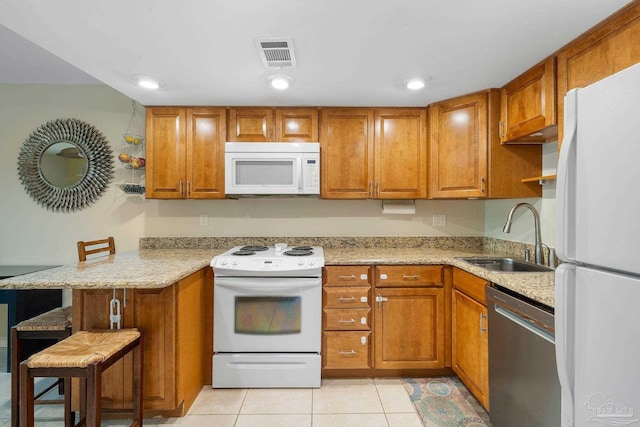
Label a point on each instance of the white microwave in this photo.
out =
(272, 168)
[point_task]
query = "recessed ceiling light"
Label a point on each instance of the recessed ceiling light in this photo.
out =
(417, 83)
(280, 81)
(146, 81)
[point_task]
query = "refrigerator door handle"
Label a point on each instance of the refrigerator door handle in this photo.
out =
(566, 182)
(564, 313)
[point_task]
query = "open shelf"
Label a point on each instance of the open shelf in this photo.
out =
(541, 179)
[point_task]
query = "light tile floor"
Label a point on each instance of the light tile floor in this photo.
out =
(338, 403)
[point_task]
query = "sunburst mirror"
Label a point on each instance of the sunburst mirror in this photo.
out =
(65, 165)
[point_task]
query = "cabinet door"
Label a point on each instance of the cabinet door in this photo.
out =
(91, 309)
(346, 153)
(606, 49)
(152, 311)
(297, 125)
(251, 125)
(400, 154)
(409, 328)
(470, 345)
(458, 147)
(528, 112)
(206, 134)
(165, 170)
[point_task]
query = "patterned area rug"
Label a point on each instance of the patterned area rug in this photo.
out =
(445, 402)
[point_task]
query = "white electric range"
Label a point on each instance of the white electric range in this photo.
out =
(267, 316)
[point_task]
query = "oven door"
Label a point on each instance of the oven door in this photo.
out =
(267, 314)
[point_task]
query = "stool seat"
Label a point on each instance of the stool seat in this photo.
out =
(83, 348)
(83, 355)
(51, 325)
(57, 319)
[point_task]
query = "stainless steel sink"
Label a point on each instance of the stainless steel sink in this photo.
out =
(505, 264)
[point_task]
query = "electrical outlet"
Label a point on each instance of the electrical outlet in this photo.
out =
(439, 220)
(204, 219)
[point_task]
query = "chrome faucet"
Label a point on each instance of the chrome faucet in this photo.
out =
(536, 218)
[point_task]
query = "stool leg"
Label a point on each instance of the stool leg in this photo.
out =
(138, 355)
(26, 397)
(83, 399)
(69, 416)
(94, 388)
(16, 358)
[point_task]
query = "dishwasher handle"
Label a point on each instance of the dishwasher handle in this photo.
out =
(526, 322)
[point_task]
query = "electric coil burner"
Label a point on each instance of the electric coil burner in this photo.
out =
(267, 316)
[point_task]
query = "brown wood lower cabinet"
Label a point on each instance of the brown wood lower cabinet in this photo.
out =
(470, 334)
(409, 317)
(176, 346)
(397, 326)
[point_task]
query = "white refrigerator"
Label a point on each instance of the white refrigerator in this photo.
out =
(597, 308)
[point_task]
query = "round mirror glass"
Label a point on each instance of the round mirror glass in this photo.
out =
(63, 165)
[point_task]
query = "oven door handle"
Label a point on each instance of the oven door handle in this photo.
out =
(265, 285)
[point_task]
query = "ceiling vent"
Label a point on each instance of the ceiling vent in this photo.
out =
(276, 53)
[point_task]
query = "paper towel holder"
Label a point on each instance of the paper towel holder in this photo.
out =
(399, 207)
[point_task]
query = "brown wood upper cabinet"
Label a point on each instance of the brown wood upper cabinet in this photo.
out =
(185, 153)
(466, 158)
(609, 47)
(528, 107)
(378, 154)
(273, 125)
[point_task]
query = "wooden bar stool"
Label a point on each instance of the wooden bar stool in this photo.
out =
(98, 246)
(54, 324)
(84, 355)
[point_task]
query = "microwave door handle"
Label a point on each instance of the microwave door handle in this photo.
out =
(299, 161)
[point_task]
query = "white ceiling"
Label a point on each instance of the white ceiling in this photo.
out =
(349, 52)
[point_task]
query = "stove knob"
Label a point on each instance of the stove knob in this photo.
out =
(312, 263)
(235, 262)
(224, 262)
(300, 263)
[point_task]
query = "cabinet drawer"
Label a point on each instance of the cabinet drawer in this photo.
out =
(347, 320)
(356, 297)
(346, 350)
(347, 275)
(408, 275)
(471, 285)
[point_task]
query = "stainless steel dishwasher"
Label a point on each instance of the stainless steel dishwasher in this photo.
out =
(524, 390)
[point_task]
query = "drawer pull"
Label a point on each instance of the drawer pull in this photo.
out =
(352, 277)
(416, 277)
(347, 353)
(347, 321)
(347, 299)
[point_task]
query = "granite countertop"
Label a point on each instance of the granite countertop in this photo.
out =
(539, 287)
(157, 268)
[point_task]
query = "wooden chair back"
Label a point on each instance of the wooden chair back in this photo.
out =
(96, 246)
